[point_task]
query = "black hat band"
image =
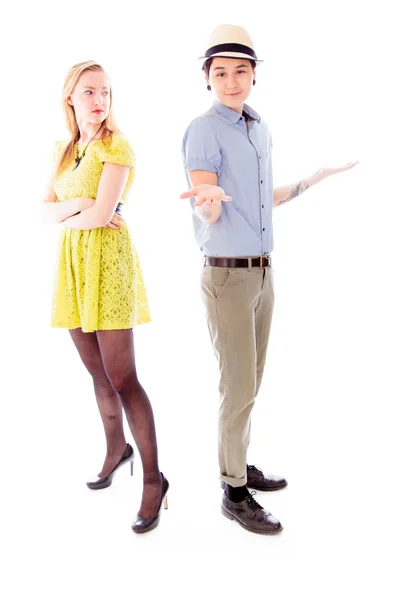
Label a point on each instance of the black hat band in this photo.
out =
(231, 48)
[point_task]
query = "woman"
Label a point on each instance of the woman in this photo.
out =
(99, 292)
(227, 159)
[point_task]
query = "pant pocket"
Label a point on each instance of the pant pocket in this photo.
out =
(214, 281)
(220, 277)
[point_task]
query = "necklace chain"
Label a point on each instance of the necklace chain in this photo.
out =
(79, 158)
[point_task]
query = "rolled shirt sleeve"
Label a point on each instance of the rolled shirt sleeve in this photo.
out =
(201, 151)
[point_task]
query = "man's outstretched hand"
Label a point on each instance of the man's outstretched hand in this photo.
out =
(324, 172)
(207, 195)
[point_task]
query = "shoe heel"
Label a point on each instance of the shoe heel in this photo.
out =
(131, 467)
(226, 514)
(165, 503)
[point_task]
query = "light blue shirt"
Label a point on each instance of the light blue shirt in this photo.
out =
(218, 141)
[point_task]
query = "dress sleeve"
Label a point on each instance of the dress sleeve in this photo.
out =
(116, 150)
(200, 148)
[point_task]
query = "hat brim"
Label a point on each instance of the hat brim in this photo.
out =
(231, 55)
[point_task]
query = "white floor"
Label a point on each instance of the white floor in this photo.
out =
(61, 540)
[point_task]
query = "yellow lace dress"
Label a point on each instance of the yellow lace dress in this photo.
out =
(99, 283)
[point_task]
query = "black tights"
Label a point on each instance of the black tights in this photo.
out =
(110, 359)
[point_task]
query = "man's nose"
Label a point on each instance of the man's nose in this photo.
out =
(231, 81)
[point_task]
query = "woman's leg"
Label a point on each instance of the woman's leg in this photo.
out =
(117, 351)
(107, 399)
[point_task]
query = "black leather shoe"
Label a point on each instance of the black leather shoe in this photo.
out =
(250, 515)
(264, 483)
(256, 480)
(141, 525)
(103, 482)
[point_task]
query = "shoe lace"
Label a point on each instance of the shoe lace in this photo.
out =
(252, 502)
(256, 471)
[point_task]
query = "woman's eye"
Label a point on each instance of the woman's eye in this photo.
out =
(106, 92)
(87, 92)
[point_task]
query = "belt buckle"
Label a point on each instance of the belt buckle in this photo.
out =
(267, 260)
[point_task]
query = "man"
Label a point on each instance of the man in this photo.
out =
(227, 158)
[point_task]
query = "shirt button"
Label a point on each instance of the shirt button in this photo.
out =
(263, 228)
(261, 180)
(262, 205)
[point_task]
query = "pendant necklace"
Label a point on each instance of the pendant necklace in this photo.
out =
(79, 158)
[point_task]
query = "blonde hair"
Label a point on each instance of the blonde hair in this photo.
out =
(109, 126)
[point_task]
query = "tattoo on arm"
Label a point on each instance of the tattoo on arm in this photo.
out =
(296, 191)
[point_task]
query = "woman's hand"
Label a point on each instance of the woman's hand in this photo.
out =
(207, 195)
(116, 222)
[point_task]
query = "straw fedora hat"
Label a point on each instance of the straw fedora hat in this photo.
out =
(231, 41)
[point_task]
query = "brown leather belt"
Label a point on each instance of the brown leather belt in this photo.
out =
(230, 263)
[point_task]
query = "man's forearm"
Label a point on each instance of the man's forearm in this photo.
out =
(288, 192)
(209, 215)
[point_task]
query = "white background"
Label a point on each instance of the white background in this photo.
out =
(326, 417)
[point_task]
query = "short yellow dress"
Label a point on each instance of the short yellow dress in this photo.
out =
(99, 283)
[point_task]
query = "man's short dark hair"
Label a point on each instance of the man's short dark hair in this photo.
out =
(208, 63)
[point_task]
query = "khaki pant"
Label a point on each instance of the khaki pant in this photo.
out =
(239, 305)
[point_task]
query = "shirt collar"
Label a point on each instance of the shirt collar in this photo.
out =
(233, 116)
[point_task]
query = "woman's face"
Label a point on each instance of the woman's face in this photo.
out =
(231, 80)
(91, 97)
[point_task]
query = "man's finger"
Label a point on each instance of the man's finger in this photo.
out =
(188, 194)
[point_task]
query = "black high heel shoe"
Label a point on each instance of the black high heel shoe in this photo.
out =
(103, 482)
(141, 525)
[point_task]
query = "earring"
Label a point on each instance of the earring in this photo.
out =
(254, 82)
(209, 87)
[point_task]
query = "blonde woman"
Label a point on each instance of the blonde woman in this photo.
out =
(99, 292)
